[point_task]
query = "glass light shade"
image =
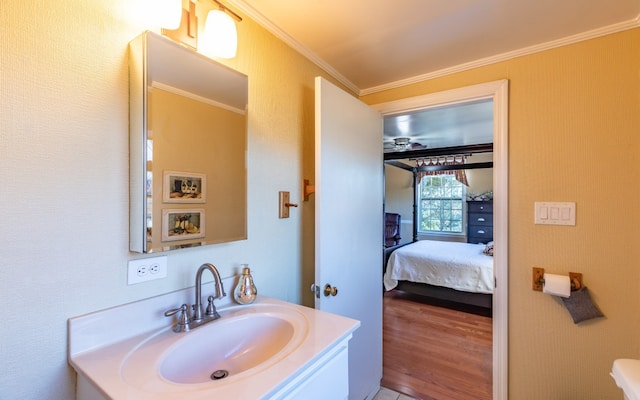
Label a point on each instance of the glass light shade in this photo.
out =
(168, 13)
(220, 37)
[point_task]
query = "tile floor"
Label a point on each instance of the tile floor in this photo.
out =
(388, 394)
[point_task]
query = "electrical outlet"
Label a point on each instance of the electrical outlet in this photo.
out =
(146, 269)
(142, 270)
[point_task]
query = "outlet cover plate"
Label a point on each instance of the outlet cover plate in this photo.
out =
(146, 269)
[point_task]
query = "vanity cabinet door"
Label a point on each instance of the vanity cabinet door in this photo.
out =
(86, 390)
(328, 378)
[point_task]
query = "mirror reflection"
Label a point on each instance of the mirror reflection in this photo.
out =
(188, 123)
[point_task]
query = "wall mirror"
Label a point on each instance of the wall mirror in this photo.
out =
(188, 141)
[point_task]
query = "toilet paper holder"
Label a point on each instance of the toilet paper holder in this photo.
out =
(538, 279)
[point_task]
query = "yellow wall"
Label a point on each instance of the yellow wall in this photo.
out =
(64, 171)
(191, 136)
(574, 135)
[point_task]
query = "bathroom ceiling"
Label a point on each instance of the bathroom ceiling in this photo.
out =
(369, 45)
(374, 45)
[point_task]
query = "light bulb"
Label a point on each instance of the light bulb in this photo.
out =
(220, 37)
(168, 13)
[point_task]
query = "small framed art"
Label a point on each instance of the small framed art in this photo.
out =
(184, 187)
(182, 224)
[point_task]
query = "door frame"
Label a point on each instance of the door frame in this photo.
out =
(498, 91)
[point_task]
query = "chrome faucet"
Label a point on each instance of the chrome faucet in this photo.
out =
(185, 321)
(211, 309)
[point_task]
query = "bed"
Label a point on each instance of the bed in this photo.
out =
(452, 271)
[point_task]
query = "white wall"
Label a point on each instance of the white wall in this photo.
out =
(398, 185)
(480, 180)
(64, 178)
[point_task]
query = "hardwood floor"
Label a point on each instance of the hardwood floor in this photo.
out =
(435, 353)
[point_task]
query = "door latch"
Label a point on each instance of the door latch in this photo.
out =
(315, 289)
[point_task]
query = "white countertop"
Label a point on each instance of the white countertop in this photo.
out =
(99, 346)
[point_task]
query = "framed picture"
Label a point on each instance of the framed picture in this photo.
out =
(184, 187)
(182, 224)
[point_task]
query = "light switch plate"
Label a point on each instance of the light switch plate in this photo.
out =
(146, 269)
(555, 213)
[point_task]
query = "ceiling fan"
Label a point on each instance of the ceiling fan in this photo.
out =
(402, 144)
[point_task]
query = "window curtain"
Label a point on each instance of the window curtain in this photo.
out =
(460, 174)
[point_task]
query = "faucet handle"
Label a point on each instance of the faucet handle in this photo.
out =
(183, 319)
(211, 308)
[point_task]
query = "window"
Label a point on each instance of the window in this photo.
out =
(441, 204)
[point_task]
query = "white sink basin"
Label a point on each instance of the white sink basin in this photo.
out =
(245, 340)
(227, 346)
(269, 348)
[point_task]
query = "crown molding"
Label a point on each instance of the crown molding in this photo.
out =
(607, 30)
(289, 40)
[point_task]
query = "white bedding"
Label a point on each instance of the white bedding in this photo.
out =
(460, 266)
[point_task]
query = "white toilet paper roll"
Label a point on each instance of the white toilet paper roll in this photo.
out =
(557, 285)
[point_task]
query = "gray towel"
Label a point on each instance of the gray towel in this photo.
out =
(580, 306)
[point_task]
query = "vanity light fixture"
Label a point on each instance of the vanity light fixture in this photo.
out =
(187, 32)
(168, 13)
(219, 38)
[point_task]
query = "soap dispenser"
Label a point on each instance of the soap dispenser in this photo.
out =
(246, 291)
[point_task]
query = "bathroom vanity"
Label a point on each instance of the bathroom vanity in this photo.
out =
(267, 350)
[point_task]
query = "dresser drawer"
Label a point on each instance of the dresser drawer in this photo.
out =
(475, 239)
(480, 207)
(480, 219)
(481, 232)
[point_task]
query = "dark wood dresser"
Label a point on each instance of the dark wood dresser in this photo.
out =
(479, 221)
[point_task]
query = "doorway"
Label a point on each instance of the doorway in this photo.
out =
(498, 92)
